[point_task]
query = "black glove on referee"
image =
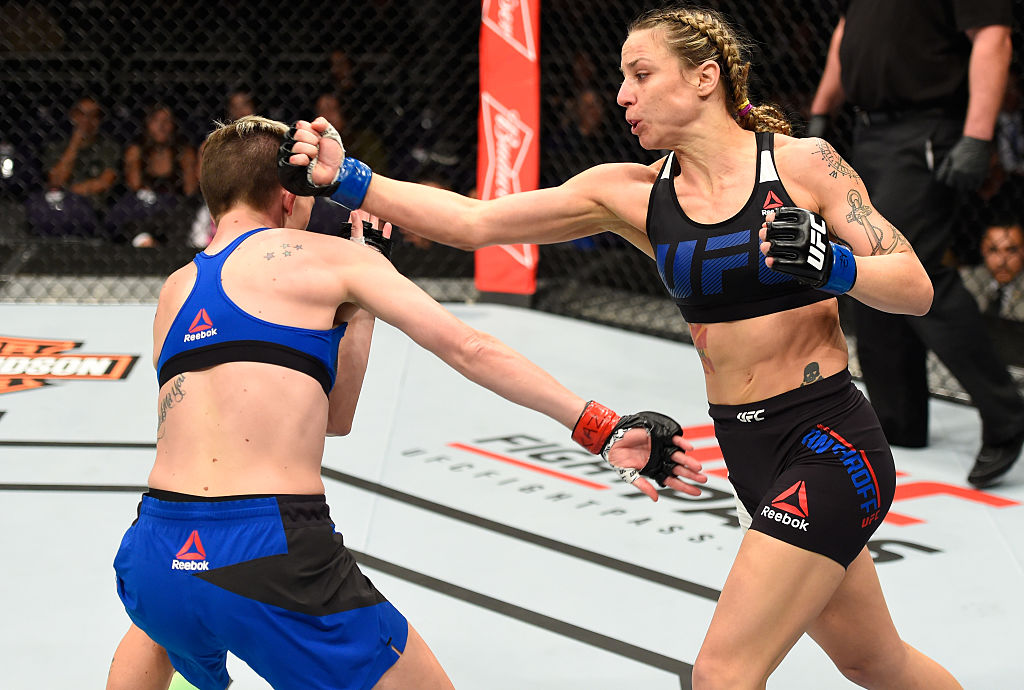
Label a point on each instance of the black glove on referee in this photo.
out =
(967, 164)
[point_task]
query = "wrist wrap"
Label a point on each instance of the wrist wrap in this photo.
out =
(352, 182)
(594, 426)
(844, 271)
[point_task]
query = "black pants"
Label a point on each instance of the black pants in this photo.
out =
(896, 159)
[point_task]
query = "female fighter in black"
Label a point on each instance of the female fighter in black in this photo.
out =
(808, 460)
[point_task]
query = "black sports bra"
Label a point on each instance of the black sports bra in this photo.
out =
(715, 272)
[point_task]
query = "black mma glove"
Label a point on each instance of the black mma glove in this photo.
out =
(375, 238)
(349, 186)
(966, 165)
(298, 179)
(801, 248)
(599, 428)
(661, 429)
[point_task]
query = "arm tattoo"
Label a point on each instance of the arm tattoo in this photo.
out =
(174, 395)
(811, 374)
(835, 161)
(876, 236)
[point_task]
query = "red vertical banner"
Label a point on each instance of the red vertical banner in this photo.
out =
(509, 149)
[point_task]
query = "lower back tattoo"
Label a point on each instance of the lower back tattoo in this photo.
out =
(175, 394)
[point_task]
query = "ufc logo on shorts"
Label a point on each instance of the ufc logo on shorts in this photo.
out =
(751, 416)
(816, 255)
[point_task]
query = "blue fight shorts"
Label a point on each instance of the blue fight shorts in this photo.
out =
(810, 466)
(264, 577)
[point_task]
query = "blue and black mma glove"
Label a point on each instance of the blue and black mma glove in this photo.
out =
(801, 248)
(349, 187)
(599, 428)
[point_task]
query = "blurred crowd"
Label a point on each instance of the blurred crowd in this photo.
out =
(97, 176)
(107, 174)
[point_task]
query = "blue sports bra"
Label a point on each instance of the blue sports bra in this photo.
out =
(716, 272)
(210, 329)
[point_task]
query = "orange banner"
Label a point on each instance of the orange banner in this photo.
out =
(509, 151)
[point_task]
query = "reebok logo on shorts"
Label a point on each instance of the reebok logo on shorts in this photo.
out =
(791, 502)
(202, 327)
(192, 555)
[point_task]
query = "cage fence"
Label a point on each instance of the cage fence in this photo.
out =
(107, 105)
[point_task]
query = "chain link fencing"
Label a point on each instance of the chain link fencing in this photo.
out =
(107, 104)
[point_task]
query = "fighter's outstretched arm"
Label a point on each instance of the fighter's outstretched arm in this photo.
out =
(584, 205)
(371, 281)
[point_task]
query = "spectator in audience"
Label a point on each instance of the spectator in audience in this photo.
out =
(161, 173)
(998, 285)
(1000, 278)
(80, 170)
(240, 103)
(366, 142)
(339, 66)
(586, 138)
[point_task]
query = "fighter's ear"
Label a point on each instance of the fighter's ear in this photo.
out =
(707, 74)
(287, 201)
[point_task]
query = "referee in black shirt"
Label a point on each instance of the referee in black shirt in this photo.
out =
(926, 78)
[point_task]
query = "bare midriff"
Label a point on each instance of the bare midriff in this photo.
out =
(754, 359)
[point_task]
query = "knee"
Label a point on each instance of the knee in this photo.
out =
(719, 673)
(871, 670)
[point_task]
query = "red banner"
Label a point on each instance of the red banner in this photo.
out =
(509, 151)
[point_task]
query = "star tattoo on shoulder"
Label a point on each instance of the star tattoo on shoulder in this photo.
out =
(268, 256)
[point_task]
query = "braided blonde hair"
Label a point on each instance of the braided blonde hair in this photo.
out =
(697, 35)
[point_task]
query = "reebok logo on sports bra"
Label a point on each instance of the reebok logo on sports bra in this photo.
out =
(202, 327)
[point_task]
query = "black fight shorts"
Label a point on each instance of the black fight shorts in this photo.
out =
(811, 466)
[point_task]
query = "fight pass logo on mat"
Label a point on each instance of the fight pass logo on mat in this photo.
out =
(27, 363)
(562, 481)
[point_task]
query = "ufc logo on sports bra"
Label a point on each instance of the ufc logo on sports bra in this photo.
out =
(816, 255)
(700, 267)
